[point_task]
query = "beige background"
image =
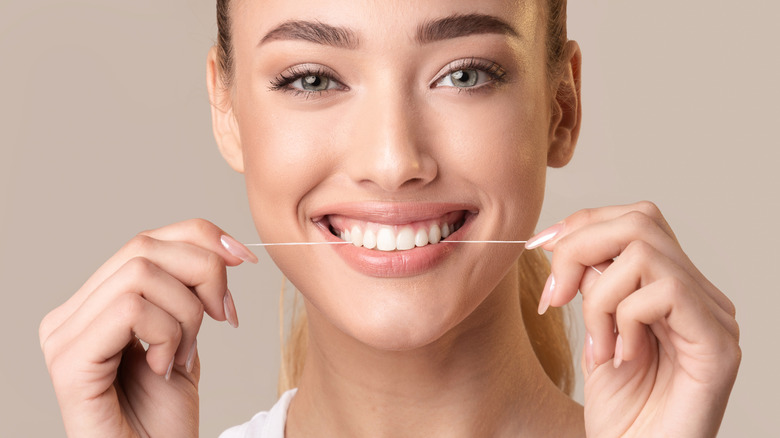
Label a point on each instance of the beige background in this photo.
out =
(105, 132)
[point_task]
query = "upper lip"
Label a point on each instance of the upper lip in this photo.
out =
(390, 213)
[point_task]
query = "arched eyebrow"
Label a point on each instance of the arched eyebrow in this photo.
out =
(460, 25)
(315, 32)
(452, 26)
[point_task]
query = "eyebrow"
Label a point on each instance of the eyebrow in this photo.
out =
(453, 26)
(315, 32)
(460, 25)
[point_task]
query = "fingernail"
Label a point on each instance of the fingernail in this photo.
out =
(230, 309)
(237, 249)
(547, 294)
(544, 236)
(170, 369)
(618, 352)
(191, 356)
(589, 362)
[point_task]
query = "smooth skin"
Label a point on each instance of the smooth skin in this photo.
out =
(156, 288)
(380, 362)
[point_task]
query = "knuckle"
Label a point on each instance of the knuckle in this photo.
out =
(730, 308)
(141, 244)
(734, 329)
(139, 267)
(200, 226)
(639, 220)
(648, 208)
(583, 216)
(638, 251)
(44, 328)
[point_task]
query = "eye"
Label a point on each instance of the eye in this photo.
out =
(308, 80)
(471, 74)
(314, 83)
(463, 79)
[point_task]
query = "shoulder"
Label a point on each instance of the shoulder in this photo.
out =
(266, 424)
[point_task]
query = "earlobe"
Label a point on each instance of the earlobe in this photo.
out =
(567, 110)
(223, 120)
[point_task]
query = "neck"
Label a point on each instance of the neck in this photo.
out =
(480, 379)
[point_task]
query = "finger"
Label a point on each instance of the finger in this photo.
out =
(585, 217)
(197, 232)
(205, 234)
(194, 266)
(670, 302)
(641, 220)
(638, 266)
(141, 276)
(96, 351)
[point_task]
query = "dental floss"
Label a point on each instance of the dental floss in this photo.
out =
(345, 243)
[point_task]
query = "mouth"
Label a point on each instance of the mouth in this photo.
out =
(394, 239)
(380, 236)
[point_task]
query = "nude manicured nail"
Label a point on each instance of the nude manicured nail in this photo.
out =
(618, 352)
(230, 309)
(170, 370)
(191, 356)
(544, 236)
(590, 364)
(237, 249)
(547, 295)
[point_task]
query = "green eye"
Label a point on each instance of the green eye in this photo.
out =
(315, 83)
(464, 78)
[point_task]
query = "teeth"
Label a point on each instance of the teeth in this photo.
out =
(405, 239)
(385, 240)
(369, 240)
(357, 236)
(421, 238)
(434, 234)
(388, 238)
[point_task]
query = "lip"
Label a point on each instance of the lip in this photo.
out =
(394, 263)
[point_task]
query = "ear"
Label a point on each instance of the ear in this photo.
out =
(223, 121)
(567, 109)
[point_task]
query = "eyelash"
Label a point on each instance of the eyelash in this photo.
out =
(282, 82)
(496, 73)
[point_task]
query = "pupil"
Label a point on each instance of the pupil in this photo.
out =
(464, 78)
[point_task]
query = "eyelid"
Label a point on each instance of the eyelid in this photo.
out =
(291, 74)
(492, 68)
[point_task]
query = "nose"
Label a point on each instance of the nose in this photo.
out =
(388, 150)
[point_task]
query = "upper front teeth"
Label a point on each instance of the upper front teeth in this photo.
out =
(388, 238)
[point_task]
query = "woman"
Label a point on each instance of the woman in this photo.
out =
(401, 123)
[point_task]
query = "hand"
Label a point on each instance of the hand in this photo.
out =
(662, 345)
(155, 289)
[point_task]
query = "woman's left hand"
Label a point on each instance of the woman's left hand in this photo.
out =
(662, 346)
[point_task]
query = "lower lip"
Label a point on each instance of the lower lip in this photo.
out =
(390, 264)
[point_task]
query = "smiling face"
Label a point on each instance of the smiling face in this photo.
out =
(391, 125)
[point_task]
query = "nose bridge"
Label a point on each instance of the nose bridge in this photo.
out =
(388, 149)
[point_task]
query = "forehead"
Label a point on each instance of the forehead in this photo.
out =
(388, 22)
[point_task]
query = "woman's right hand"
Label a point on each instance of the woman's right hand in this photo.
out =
(155, 289)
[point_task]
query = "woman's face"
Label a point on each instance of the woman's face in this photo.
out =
(385, 123)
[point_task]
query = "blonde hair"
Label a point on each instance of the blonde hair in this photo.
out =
(548, 333)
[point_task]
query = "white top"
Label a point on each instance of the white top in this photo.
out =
(268, 424)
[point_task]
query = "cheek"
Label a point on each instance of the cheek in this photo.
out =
(286, 155)
(500, 147)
